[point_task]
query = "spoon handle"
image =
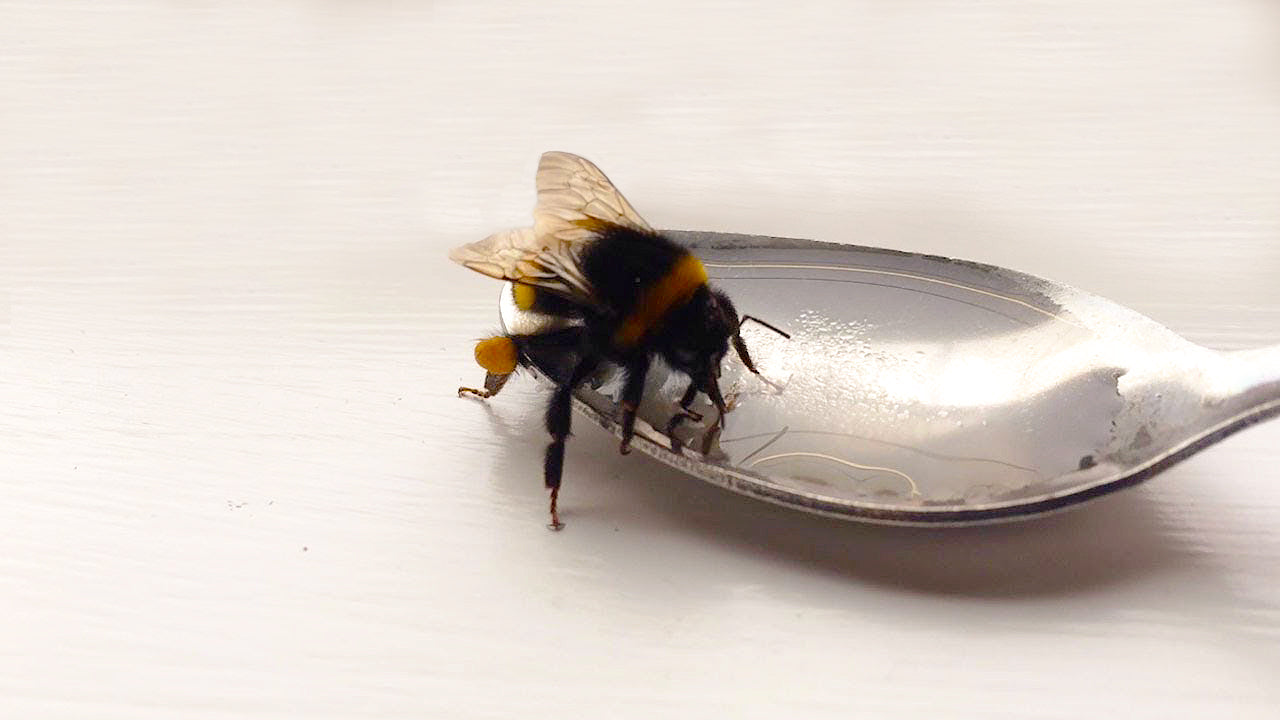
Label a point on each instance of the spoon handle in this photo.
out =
(1255, 374)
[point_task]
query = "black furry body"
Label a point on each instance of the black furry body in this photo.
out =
(627, 268)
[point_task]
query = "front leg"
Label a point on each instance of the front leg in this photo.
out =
(631, 393)
(712, 389)
(684, 414)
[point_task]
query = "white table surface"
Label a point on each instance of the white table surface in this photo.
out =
(234, 477)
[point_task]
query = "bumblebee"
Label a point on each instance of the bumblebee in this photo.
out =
(616, 290)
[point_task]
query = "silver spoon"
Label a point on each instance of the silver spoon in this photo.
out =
(924, 390)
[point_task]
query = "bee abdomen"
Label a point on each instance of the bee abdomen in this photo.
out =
(530, 298)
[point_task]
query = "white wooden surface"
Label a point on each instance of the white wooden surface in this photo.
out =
(235, 480)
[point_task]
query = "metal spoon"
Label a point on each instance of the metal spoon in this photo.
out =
(923, 390)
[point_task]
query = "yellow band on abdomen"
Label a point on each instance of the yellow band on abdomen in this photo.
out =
(670, 291)
(524, 295)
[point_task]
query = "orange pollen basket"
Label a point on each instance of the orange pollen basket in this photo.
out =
(496, 355)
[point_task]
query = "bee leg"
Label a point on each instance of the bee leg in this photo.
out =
(558, 422)
(741, 346)
(684, 414)
(498, 355)
(710, 438)
(493, 383)
(712, 388)
(631, 392)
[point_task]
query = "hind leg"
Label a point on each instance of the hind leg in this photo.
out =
(498, 355)
(558, 422)
(493, 383)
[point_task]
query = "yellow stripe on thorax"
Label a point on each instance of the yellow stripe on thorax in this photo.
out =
(670, 291)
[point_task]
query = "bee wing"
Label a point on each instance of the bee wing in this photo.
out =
(574, 198)
(518, 256)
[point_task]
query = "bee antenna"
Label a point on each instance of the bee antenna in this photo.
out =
(758, 320)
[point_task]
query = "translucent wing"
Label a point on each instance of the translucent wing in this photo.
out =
(574, 196)
(574, 199)
(517, 255)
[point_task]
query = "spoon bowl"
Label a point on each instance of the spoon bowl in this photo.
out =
(917, 389)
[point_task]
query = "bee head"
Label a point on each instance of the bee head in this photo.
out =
(723, 322)
(699, 334)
